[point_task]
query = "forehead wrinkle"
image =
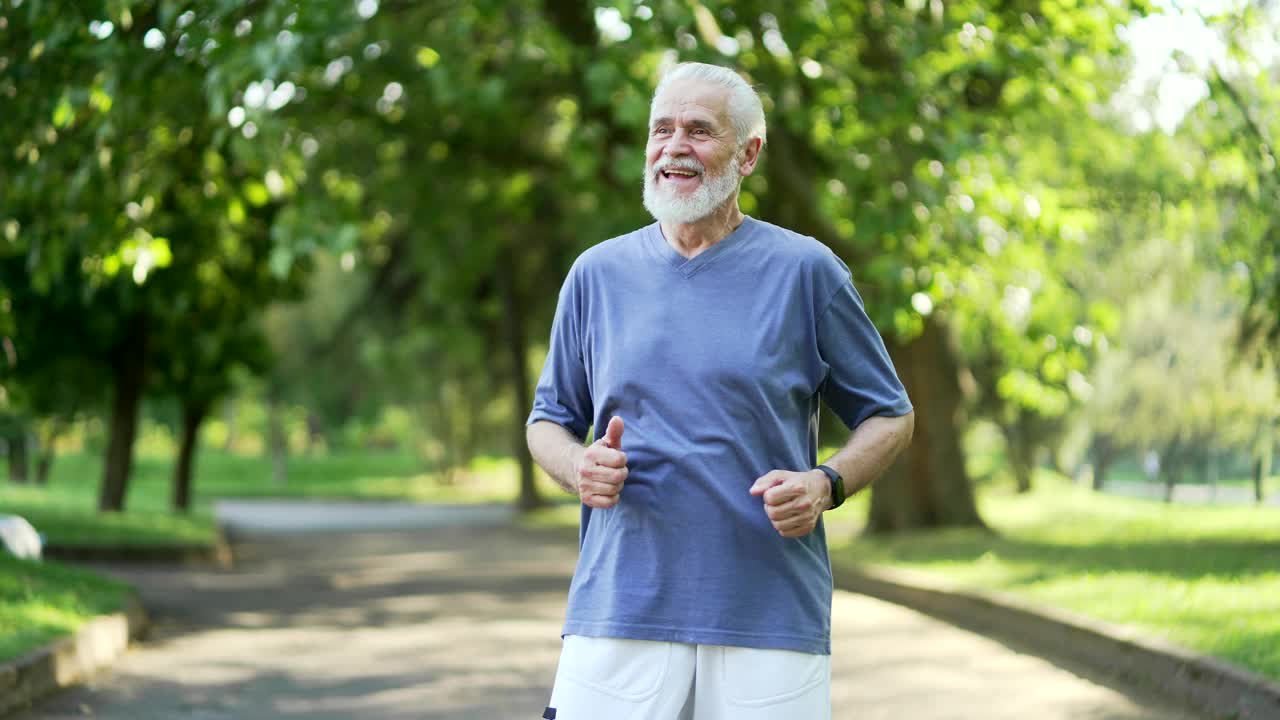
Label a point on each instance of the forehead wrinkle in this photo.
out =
(690, 118)
(697, 98)
(696, 122)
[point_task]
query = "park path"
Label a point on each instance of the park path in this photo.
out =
(459, 618)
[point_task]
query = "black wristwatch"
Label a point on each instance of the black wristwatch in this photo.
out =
(837, 486)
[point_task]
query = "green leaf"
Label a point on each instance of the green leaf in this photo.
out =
(63, 114)
(160, 251)
(281, 262)
(427, 57)
(256, 193)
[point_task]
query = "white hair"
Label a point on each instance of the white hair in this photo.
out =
(745, 111)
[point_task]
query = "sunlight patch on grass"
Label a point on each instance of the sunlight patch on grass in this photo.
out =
(1204, 577)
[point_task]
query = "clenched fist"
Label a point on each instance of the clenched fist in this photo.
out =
(793, 500)
(602, 469)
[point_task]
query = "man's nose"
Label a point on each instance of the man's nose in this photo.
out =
(678, 144)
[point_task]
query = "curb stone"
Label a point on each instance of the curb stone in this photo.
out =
(103, 639)
(1203, 683)
(70, 660)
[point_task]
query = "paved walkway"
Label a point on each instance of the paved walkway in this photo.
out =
(461, 622)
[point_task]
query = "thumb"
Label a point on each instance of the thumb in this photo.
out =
(766, 481)
(613, 434)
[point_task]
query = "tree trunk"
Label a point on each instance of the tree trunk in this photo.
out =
(192, 417)
(18, 457)
(44, 464)
(927, 486)
(456, 433)
(48, 449)
(518, 361)
(1020, 452)
(315, 432)
(1172, 468)
(1103, 453)
(1257, 480)
(1261, 471)
(276, 441)
(1211, 471)
(129, 370)
(1053, 454)
(1263, 448)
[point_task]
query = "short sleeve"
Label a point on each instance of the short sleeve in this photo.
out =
(563, 395)
(861, 381)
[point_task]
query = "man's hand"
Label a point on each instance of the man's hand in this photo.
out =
(602, 468)
(794, 500)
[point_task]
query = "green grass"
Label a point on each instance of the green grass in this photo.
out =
(65, 510)
(43, 601)
(1207, 578)
(67, 518)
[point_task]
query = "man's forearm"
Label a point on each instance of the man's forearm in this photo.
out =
(557, 451)
(871, 449)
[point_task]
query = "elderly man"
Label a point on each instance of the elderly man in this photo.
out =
(701, 345)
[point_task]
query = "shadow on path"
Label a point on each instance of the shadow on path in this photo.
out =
(462, 622)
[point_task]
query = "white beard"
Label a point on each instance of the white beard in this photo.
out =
(666, 206)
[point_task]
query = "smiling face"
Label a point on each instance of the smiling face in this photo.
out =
(692, 164)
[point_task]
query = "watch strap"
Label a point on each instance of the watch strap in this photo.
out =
(837, 486)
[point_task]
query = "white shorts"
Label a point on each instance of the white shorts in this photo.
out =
(612, 679)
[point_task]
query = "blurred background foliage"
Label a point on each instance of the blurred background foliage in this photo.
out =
(286, 228)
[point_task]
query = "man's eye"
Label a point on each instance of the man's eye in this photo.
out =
(700, 131)
(661, 131)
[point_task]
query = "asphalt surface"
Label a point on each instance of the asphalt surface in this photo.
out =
(388, 618)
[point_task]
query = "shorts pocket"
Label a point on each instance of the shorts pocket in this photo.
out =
(630, 670)
(755, 677)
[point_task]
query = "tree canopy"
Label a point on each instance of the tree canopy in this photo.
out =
(373, 203)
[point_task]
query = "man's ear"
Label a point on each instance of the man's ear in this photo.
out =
(750, 154)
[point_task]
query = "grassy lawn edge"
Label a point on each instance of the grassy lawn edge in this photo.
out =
(43, 602)
(1203, 578)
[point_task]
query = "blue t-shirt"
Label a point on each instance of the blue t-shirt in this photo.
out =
(716, 365)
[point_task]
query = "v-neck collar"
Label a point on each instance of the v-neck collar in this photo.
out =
(689, 266)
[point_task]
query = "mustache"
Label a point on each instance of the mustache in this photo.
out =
(678, 164)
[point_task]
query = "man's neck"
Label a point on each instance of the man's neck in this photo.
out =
(692, 239)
